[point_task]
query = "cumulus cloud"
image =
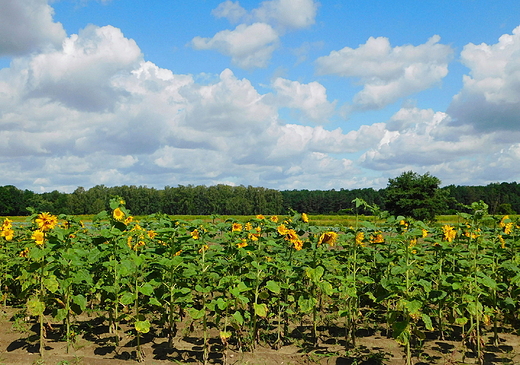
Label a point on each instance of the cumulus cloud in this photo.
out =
(82, 73)
(423, 140)
(388, 74)
(310, 99)
(27, 26)
(490, 97)
(252, 43)
(287, 14)
(94, 98)
(415, 137)
(295, 139)
(249, 46)
(161, 128)
(230, 10)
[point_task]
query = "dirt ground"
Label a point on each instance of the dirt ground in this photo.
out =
(19, 345)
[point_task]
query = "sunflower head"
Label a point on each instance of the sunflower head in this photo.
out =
(118, 214)
(236, 227)
(328, 238)
(46, 221)
(38, 236)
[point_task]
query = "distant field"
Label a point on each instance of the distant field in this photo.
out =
(327, 220)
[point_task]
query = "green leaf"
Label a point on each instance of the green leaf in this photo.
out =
(35, 307)
(326, 287)
(146, 289)
(237, 316)
(413, 306)
(201, 289)
(306, 304)
(427, 322)
(487, 281)
(343, 313)
(154, 301)
(273, 286)
(127, 298)
(221, 304)
(82, 275)
(315, 274)
(80, 300)
(260, 309)
(196, 314)
(61, 314)
(401, 332)
(51, 283)
(142, 326)
(263, 295)
(461, 321)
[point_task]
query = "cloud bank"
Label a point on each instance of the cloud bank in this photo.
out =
(88, 108)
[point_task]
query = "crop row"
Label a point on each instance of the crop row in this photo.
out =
(253, 282)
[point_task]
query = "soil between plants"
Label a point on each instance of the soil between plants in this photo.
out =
(95, 346)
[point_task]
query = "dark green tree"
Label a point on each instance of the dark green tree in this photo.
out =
(416, 196)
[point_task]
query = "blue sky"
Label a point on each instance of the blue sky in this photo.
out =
(285, 94)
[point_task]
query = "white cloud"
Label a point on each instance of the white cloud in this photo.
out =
(249, 46)
(27, 26)
(230, 10)
(490, 98)
(287, 14)
(94, 112)
(427, 141)
(387, 73)
(169, 129)
(294, 140)
(81, 75)
(310, 99)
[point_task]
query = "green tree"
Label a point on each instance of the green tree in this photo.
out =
(416, 196)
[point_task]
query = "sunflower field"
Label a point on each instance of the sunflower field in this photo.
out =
(241, 285)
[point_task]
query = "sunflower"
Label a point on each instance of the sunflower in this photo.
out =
(282, 230)
(38, 237)
(24, 252)
(449, 233)
(305, 218)
(118, 214)
(46, 221)
(236, 227)
(242, 243)
(8, 234)
(329, 238)
(360, 236)
(7, 224)
(291, 235)
(297, 244)
(377, 237)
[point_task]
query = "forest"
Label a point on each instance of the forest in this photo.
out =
(502, 198)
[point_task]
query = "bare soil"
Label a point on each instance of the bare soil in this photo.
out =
(94, 346)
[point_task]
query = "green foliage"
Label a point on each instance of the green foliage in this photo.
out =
(503, 198)
(254, 282)
(416, 196)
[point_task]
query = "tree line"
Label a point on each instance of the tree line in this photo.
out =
(502, 198)
(142, 200)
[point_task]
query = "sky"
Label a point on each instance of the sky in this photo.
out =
(282, 94)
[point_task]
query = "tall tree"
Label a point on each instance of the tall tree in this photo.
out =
(416, 196)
